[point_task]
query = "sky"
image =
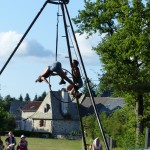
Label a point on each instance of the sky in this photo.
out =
(37, 51)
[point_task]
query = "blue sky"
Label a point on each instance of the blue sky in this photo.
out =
(38, 49)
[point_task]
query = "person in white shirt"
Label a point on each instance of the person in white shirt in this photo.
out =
(96, 144)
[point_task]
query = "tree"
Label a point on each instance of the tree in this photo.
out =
(85, 89)
(35, 98)
(43, 95)
(41, 98)
(20, 98)
(7, 101)
(7, 120)
(124, 50)
(27, 97)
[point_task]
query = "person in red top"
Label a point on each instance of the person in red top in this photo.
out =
(23, 144)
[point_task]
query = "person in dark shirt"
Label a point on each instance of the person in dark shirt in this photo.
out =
(10, 141)
(77, 79)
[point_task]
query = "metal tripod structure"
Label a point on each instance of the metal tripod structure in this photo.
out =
(65, 12)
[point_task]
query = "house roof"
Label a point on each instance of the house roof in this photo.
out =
(107, 104)
(32, 106)
(15, 108)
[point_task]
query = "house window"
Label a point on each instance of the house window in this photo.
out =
(47, 107)
(42, 123)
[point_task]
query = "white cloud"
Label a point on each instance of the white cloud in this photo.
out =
(85, 46)
(7, 42)
(32, 48)
(10, 39)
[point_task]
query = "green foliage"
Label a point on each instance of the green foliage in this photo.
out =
(20, 98)
(40, 98)
(124, 49)
(92, 87)
(7, 120)
(88, 123)
(27, 97)
(120, 125)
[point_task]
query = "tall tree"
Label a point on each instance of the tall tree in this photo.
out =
(35, 98)
(20, 98)
(124, 50)
(92, 86)
(27, 97)
(41, 97)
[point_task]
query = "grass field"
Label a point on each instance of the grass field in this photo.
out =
(51, 144)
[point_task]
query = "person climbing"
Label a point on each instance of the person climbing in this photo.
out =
(53, 70)
(77, 79)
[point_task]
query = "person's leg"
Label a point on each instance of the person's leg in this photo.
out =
(62, 81)
(45, 74)
(63, 75)
(70, 88)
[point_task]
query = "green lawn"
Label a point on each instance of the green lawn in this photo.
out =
(51, 144)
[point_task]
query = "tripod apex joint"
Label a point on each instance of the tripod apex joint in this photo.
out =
(58, 1)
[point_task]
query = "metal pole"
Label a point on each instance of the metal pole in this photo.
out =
(82, 128)
(23, 37)
(66, 32)
(88, 85)
(70, 56)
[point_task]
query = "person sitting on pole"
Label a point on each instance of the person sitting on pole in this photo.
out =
(77, 78)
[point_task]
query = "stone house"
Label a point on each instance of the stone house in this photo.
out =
(56, 114)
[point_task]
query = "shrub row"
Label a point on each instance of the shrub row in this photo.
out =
(18, 133)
